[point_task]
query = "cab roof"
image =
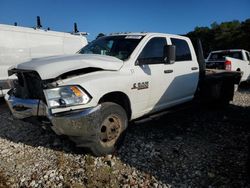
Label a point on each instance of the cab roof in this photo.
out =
(147, 34)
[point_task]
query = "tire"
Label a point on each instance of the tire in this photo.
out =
(111, 129)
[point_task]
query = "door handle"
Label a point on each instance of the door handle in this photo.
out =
(194, 68)
(168, 71)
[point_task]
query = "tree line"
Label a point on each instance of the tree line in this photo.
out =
(227, 35)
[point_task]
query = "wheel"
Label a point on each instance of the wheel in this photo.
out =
(111, 129)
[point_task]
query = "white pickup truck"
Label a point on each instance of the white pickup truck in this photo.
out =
(91, 96)
(235, 60)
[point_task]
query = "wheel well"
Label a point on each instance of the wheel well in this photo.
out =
(238, 69)
(118, 98)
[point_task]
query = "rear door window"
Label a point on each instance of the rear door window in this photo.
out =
(182, 50)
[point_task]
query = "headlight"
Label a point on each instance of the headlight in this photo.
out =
(66, 96)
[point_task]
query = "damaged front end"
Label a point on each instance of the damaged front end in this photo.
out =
(26, 98)
(64, 106)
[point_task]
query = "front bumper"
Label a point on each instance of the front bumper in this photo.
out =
(79, 125)
(24, 108)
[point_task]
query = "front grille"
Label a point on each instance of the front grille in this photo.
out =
(28, 86)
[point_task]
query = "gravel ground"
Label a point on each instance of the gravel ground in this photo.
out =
(197, 147)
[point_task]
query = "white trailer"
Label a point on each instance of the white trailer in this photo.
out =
(21, 44)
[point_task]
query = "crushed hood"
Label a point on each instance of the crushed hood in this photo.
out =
(52, 67)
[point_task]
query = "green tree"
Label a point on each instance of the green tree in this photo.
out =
(227, 35)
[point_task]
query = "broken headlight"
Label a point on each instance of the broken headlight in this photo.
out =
(66, 96)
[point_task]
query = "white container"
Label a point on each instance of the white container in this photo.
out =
(21, 44)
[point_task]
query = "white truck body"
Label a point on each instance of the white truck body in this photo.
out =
(90, 96)
(232, 60)
(21, 44)
(180, 84)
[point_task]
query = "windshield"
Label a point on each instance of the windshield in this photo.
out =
(220, 56)
(120, 47)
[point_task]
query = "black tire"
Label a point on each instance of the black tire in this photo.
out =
(111, 129)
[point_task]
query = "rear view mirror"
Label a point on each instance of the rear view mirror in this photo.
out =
(169, 54)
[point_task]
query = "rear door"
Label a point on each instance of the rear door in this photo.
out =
(181, 77)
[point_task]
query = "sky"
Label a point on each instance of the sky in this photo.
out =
(96, 16)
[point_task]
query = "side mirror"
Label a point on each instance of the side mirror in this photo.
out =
(169, 54)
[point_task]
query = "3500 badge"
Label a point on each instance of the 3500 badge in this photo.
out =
(140, 85)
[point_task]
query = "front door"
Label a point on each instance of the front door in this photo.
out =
(152, 65)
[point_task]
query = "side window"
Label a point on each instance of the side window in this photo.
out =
(182, 50)
(152, 53)
(248, 58)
